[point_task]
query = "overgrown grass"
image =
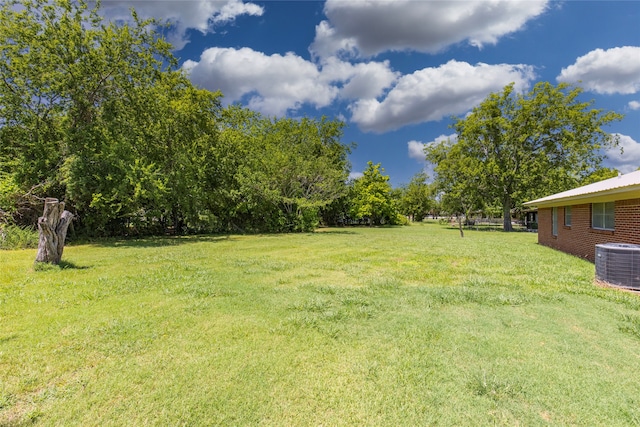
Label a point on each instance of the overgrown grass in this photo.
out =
(15, 237)
(390, 326)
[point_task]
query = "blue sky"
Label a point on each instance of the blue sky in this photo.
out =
(396, 71)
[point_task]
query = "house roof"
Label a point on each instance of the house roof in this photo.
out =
(621, 187)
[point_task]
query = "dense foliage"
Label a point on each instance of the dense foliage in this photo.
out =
(416, 200)
(369, 200)
(276, 175)
(517, 147)
(99, 116)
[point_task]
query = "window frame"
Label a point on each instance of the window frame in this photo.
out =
(603, 216)
(554, 221)
(567, 216)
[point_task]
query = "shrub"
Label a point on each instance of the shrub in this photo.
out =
(401, 220)
(18, 237)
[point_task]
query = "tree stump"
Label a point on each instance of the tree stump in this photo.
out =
(52, 226)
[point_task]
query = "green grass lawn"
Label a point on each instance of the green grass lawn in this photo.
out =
(368, 327)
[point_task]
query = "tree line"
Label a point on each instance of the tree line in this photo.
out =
(99, 115)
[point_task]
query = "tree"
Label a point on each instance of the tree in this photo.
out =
(371, 197)
(337, 213)
(416, 198)
(299, 167)
(280, 172)
(458, 180)
(514, 147)
(96, 114)
(155, 159)
(599, 174)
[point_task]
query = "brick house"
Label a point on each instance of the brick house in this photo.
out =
(575, 221)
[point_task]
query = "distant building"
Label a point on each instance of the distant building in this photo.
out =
(531, 219)
(575, 221)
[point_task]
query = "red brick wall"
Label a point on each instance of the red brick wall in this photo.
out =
(580, 239)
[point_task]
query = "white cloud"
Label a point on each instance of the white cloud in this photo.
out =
(201, 15)
(277, 83)
(615, 70)
(416, 150)
(634, 105)
(328, 42)
(370, 27)
(361, 80)
(355, 175)
(432, 94)
(628, 160)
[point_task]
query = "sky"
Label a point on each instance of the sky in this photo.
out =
(396, 71)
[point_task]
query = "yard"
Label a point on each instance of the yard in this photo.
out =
(355, 326)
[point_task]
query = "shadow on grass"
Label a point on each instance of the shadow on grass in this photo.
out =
(64, 265)
(160, 241)
(352, 229)
(330, 232)
(490, 228)
(152, 242)
(8, 338)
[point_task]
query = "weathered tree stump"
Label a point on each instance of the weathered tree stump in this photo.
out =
(52, 225)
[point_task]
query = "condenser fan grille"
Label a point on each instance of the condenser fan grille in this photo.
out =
(618, 264)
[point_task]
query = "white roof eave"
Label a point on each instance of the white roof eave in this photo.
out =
(628, 192)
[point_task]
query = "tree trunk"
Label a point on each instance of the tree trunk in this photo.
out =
(460, 225)
(52, 225)
(506, 216)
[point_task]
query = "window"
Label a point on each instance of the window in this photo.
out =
(602, 215)
(554, 221)
(567, 216)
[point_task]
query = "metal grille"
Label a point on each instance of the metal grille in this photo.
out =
(618, 264)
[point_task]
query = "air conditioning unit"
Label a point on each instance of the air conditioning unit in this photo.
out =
(618, 264)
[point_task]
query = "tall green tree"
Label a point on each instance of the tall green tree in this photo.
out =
(96, 114)
(371, 197)
(416, 199)
(290, 170)
(277, 173)
(155, 159)
(514, 147)
(459, 182)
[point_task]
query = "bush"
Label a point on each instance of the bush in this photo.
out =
(401, 220)
(17, 237)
